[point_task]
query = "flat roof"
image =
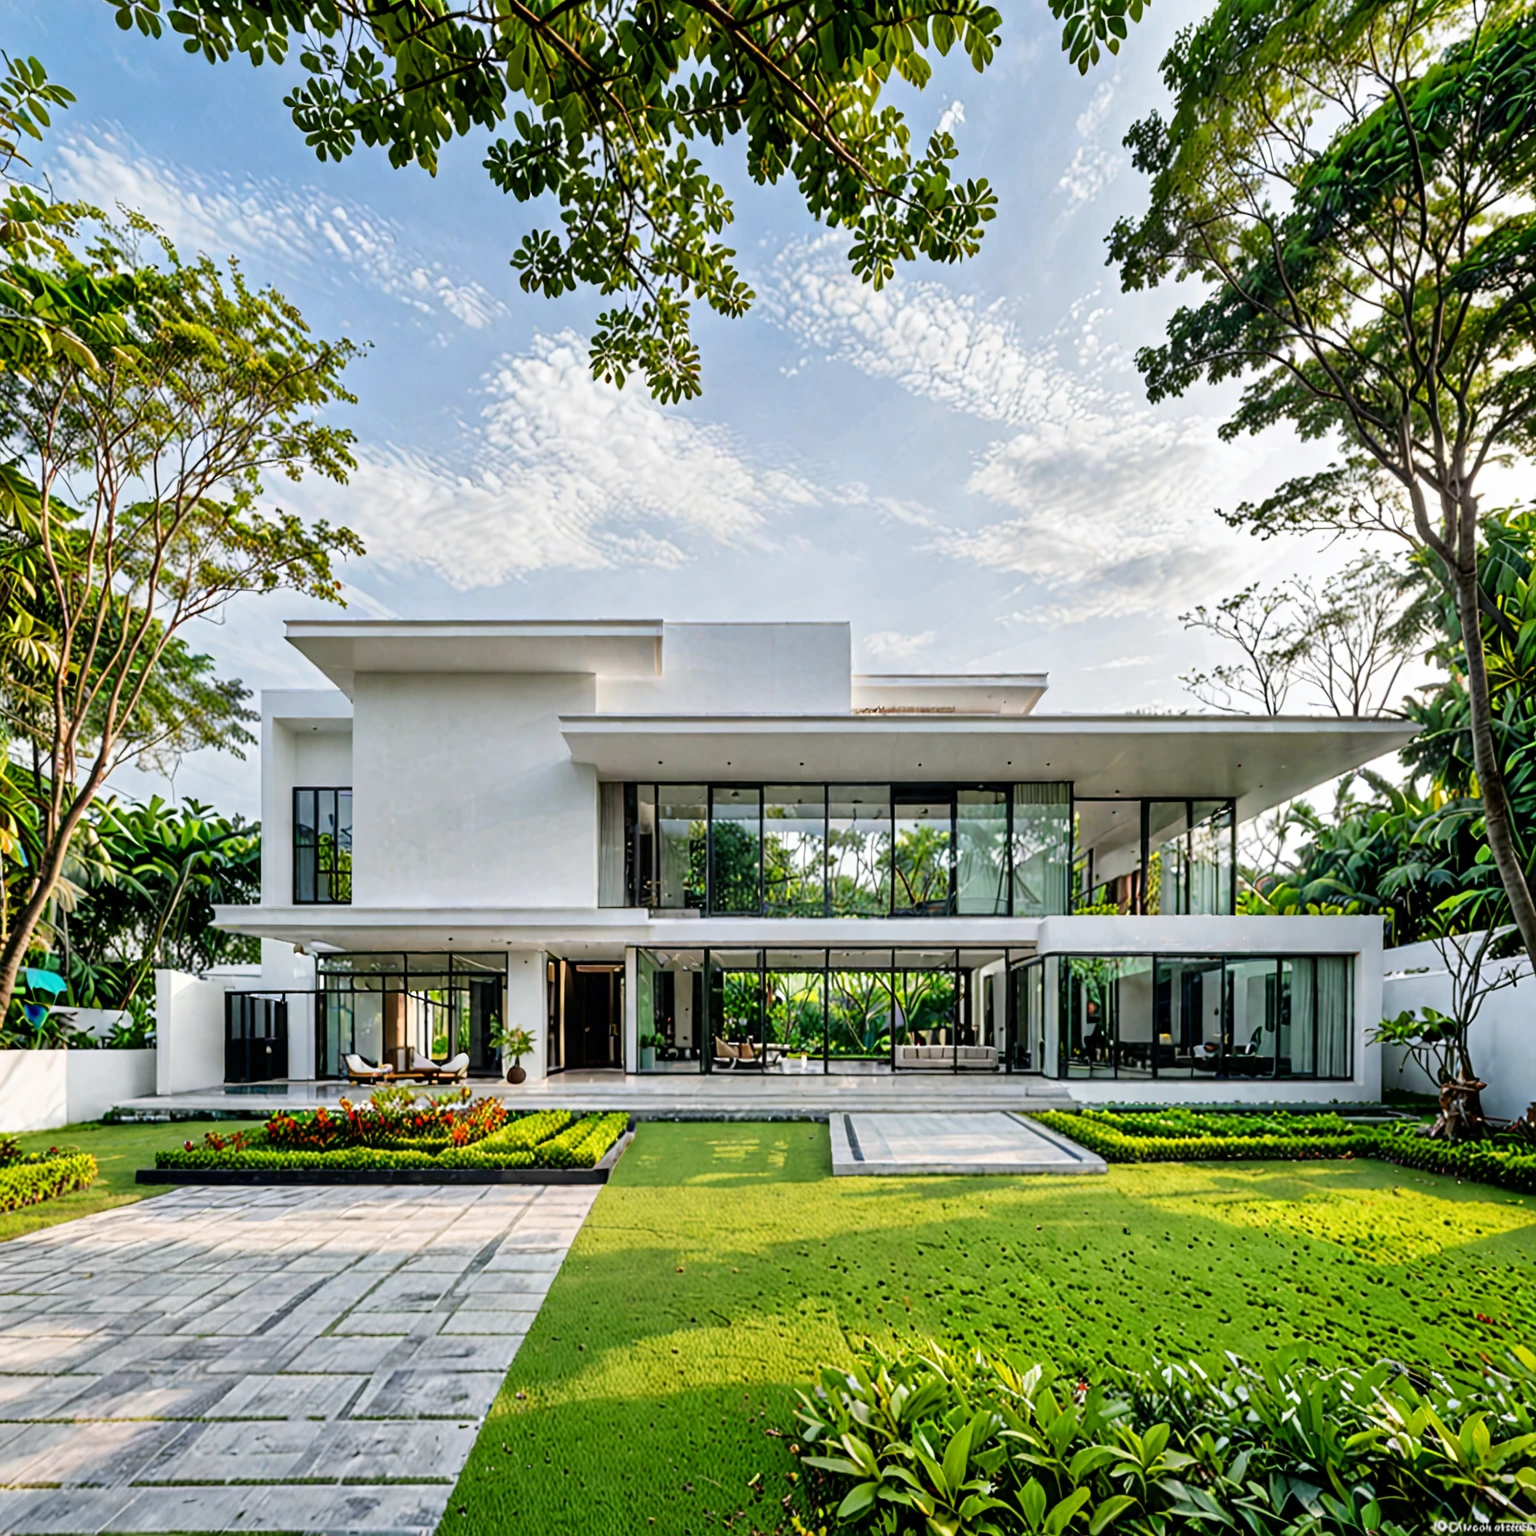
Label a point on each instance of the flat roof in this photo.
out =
(963, 693)
(341, 648)
(1257, 760)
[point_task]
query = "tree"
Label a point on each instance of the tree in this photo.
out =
(1347, 640)
(136, 478)
(606, 107)
(1351, 184)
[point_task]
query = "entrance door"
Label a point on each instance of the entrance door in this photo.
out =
(594, 1025)
(255, 1038)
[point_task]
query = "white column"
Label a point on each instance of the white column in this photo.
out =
(528, 1005)
(631, 1010)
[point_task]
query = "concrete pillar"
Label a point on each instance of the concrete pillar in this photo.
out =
(631, 1010)
(528, 1005)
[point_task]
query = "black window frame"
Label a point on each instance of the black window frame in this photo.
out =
(311, 852)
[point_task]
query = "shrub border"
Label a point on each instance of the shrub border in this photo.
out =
(597, 1174)
(33, 1183)
(1473, 1161)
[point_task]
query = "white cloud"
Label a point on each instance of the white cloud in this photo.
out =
(951, 117)
(1108, 501)
(1092, 168)
(286, 227)
(892, 645)
(1093, 116)
(563, 471)
(1118, 663)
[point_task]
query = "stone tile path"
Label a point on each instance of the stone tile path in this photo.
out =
(265, 1359)
(953, 1143)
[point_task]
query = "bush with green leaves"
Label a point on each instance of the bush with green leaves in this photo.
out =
(518, 1137)
(921, 1444)
(29, 1180)
(1177, 1120)
(1507, 1164)
(584, 1144)
(1102, 1132)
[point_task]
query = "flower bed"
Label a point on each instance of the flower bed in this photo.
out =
(1188, 1136)
(28, 1178)
(914, 1443)
(455, 1133)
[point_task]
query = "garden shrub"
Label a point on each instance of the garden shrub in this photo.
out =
(27, 1180)
(1100, 1132)
(584, 1144)
(521, 1136)
(1506, 1164)
(393, 1116)
(1178, 1121)
(920, 1443)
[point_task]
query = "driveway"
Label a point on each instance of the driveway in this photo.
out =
(265, 1359)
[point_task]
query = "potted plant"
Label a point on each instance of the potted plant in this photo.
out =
(512, 1040)
(649, 1045)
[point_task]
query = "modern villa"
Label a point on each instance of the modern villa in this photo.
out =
(715, 849)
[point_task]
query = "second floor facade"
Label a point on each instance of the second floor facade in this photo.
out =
(743, 771)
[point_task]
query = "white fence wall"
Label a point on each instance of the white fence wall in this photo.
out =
(42, 1090)
(1502, 1042)
(189, 1032)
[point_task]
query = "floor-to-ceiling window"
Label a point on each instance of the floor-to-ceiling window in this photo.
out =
(1197, 1016)
(383, 1006)
(782, 1009)
(322, 847)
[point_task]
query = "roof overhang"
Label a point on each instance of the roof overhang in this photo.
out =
(342, 648)
(1259, 761)
(969, 693)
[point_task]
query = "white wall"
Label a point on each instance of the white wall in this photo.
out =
(189, 1032)
(43, 1090)
(741, 669)
(305, 739)
(464, 792)
(1502, 1041)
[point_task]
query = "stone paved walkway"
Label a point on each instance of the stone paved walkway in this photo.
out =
(265, 1359)
(953, 1143)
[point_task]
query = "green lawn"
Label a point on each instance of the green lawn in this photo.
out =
(119, 1150)
(722, 1264)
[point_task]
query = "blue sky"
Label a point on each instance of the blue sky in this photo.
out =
(964, 466)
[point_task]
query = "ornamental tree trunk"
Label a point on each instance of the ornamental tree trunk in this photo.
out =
(1485, 757)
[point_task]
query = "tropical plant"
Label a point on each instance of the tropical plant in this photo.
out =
(133, 490)
(1350, 185)
(917, 1441)
(514, 1041)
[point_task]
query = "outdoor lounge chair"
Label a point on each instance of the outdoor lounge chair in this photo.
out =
(424, 1068)
(360, 1071)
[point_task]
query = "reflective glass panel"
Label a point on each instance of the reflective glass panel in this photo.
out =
(981, 852)
(682, 813)
(1042, 849)
(858, 1009)
(859, 850)
(1187, 1017)
(922, 855)
(794, 850)
(736, 849)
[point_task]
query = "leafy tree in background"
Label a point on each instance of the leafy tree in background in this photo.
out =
(607, 108)
(138, 422)
(1351, 185)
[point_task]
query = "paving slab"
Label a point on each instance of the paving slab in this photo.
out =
(948, 1143)
(265, 1359)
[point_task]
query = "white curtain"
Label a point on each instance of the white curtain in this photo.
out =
(1042, 849)
(610, 846)
(1303, 1014)
(1335, 1021)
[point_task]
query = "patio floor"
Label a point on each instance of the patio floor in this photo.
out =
(718, 1095)
(265, 1359)
(864, 1144)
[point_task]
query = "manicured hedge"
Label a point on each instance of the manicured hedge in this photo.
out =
(1178, 1121)
(45, 1178)
(1502, 1165)
(550, 1138)
(1508, 1165)
(584, 1143)
(1098, 1134)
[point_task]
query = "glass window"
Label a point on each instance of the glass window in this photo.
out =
(1028, 1022)
(669, 1002)
(322, 846)
(795, 850)
(794, 1010)
(682, 816)
(612, 888)
(1042, 849)
(1188, 1017)
(1106, 1016)
(1253, 1017)
(736, 1010)
(736, 849)
(641, 846)
(1316, 1035)
(1189, 865)
(981, 852)
(859, 850)
(859, 1009)
(921, 873)
(926, 1016)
